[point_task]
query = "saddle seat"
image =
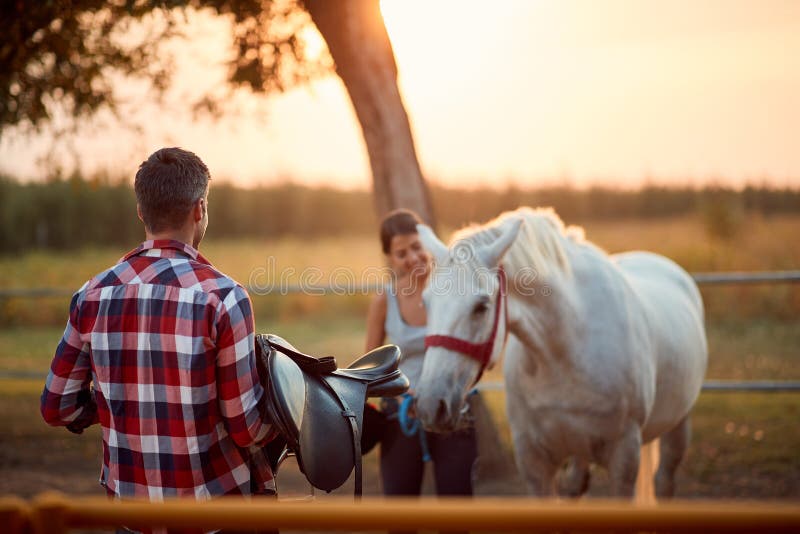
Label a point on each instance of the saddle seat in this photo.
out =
(379, 368)
(319, 408)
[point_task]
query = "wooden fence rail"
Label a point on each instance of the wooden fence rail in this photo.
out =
(55, 513)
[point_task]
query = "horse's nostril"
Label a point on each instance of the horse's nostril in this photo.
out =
(441, 412)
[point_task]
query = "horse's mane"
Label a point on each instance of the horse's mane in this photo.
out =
(540, 243)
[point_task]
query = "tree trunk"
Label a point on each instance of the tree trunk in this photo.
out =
(360, 47)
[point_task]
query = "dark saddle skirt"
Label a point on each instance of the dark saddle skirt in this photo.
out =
(319, 408)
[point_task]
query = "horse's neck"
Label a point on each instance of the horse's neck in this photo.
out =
(547, 318)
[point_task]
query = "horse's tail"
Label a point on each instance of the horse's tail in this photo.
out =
(645, 480)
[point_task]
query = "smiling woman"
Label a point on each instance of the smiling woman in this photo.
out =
(397, 315)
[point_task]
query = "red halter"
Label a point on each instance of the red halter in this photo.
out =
(481, 352)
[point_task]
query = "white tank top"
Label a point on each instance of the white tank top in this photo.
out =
(410, 339)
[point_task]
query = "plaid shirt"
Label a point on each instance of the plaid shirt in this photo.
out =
(159, 350)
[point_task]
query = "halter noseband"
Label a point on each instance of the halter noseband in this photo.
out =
(481, 352)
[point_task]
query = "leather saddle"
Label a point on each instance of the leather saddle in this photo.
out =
(319, 408)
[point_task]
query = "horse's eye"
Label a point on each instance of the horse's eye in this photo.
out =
(480, 308)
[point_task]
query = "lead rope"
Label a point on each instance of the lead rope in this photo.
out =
(411, 425)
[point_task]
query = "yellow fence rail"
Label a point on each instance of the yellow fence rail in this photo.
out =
(55, 513)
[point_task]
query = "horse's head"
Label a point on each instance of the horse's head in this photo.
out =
(466, 329)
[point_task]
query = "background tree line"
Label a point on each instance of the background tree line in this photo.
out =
(68, 213)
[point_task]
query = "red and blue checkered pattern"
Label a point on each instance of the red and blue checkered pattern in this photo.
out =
(165, 344)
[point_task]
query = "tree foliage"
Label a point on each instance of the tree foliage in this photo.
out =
(63, 56)
(65, 59)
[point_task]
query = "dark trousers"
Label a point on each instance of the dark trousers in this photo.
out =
(453, 456)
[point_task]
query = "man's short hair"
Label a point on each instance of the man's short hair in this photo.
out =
(167, 185)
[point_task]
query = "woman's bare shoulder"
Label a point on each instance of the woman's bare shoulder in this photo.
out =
(378, 303)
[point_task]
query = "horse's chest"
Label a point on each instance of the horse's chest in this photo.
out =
(566, 420)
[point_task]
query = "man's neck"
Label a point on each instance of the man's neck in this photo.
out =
(174, 235)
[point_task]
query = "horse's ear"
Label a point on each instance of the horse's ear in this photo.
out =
(492, 254)
(432, 243)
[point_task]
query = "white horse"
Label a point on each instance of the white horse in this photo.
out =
(603, 354)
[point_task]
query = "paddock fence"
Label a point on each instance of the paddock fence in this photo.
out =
(702, 278)
(56, 514)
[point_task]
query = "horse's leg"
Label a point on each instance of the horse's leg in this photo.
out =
(648, 462)
(623, 463)
(574, 480)
(673, 446)
(535, 464)
(536, 467)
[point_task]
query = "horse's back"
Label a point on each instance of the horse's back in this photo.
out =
(674, 307)
(652, 272)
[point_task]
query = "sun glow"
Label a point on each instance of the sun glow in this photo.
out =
(597, 90)
(518, 91)
(442, 38)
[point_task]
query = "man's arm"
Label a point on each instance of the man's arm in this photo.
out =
(241, 394)
(67, 399)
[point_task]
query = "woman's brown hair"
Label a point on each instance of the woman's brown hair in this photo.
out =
(398, 222)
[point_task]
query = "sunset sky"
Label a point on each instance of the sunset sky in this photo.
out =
(526, 91)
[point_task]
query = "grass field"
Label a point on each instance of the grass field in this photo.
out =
(744, 445)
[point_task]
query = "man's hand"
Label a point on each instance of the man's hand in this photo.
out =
(273, 451)
(88, 416)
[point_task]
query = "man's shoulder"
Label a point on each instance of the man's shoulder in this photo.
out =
(112, 276)
(183, 273)
(212, 280)
(210, 276)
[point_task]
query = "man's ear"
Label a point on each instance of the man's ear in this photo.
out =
(199, 209)
(139, 212)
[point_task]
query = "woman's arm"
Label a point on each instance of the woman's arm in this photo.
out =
(376, 318)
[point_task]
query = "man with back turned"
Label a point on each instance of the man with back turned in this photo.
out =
(159, 350)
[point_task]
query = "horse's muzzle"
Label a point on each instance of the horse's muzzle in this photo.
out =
(438, 415)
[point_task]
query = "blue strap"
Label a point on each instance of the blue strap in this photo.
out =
(410, 425)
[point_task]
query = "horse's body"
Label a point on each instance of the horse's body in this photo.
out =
(604, 353)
